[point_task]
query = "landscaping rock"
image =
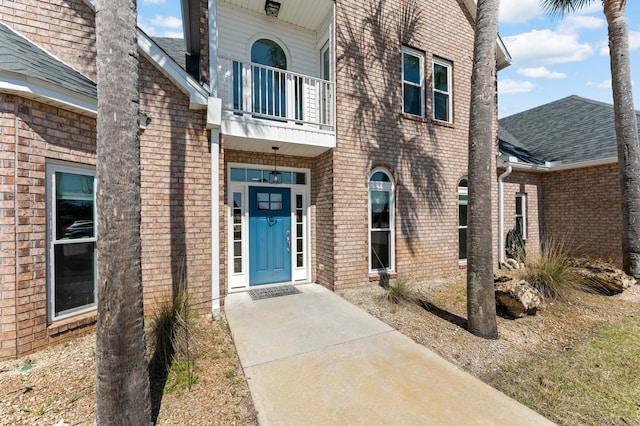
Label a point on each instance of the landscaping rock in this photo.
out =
(516, 298)
(603, 277)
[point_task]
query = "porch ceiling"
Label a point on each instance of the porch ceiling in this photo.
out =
(303, 13)
(265, 146)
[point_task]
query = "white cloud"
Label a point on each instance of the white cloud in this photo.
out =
(152, 1)
(571, 24)
(606, 84)
(546, 47)
(510, 87)
(167, 22)
(634, 40)
(540, 72)
(518, 11)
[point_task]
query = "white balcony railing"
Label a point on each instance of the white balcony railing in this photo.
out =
(274, 94)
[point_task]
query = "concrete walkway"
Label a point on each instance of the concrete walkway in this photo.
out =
(315, 359)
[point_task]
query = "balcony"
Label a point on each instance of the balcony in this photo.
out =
(275, 105)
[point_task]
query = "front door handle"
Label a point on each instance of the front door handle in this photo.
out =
(288, 242)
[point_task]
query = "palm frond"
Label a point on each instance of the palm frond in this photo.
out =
(564, 7)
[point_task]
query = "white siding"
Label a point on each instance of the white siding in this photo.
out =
(237, 28)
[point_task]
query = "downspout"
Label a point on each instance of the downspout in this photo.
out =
(15, 218)
(215, 163)
(501, 214)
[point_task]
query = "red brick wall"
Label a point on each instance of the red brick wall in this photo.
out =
(582, 208)
(63, 28)
(176, 193)
(44, 133)
(176, 197)
(531, 185)
(427, 159)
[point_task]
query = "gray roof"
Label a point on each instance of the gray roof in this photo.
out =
(19, 55)
(174, 47)
(570, 130)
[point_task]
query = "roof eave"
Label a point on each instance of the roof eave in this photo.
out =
(47, 93)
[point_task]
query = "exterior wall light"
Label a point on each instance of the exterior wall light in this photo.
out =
(272, 8)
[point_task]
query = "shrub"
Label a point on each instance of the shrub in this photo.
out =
(401, 291)
(552, 272)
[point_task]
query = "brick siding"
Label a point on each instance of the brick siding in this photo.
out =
(583, 209)
(65, 29)
(427, 159)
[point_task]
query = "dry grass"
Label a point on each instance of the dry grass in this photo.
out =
(576, 362)
(552, 273)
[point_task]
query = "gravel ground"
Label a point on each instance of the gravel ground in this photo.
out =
(60, 389)
(442, 329)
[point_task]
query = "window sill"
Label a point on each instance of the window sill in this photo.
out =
(382, 276)
(418, 118)
(443, 123)
(67, 324)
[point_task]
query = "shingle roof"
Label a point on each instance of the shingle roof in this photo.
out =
(571, 130)
(174, 47)
(19, 55)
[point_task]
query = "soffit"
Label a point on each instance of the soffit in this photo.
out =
(303, 13)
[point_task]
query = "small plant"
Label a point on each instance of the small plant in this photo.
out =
(552, 272)
(72, 399)
(401, 291)
(229, 374)
(34, 411)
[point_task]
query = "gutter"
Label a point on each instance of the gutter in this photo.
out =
(501, 214)
(214, 109)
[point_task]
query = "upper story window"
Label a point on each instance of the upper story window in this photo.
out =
(268, 52)
(381, 221)
(412, 81)
(442, 90)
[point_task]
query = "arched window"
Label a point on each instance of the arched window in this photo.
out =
(269, 85)
(381, 221)
(462, 218)
(269, 53)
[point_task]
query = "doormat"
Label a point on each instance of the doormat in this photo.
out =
(265, 293)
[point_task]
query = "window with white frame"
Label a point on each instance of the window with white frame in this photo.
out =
(71, 237)
(463, 197)
(521, 215)
(442, 90)
(381, 221)
(412, 81)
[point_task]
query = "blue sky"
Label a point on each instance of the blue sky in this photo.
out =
(552, 57)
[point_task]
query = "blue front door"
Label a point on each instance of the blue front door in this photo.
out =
(269, 235)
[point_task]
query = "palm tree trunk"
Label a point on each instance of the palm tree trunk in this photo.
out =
(481, 303)
(122, 379)
(626, 135)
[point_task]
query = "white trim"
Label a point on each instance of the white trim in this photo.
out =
(47, 93)
(390, 187)
(449, 66)
(462, 190)
(521, 197)
(276, 40)
(51, 167)
(215, 162)
(420, 55)
(552, 166)
(240, 281)
(189, 86)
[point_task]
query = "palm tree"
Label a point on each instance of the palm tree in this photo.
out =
(625, 121)
(481, 303)
(122, 378)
